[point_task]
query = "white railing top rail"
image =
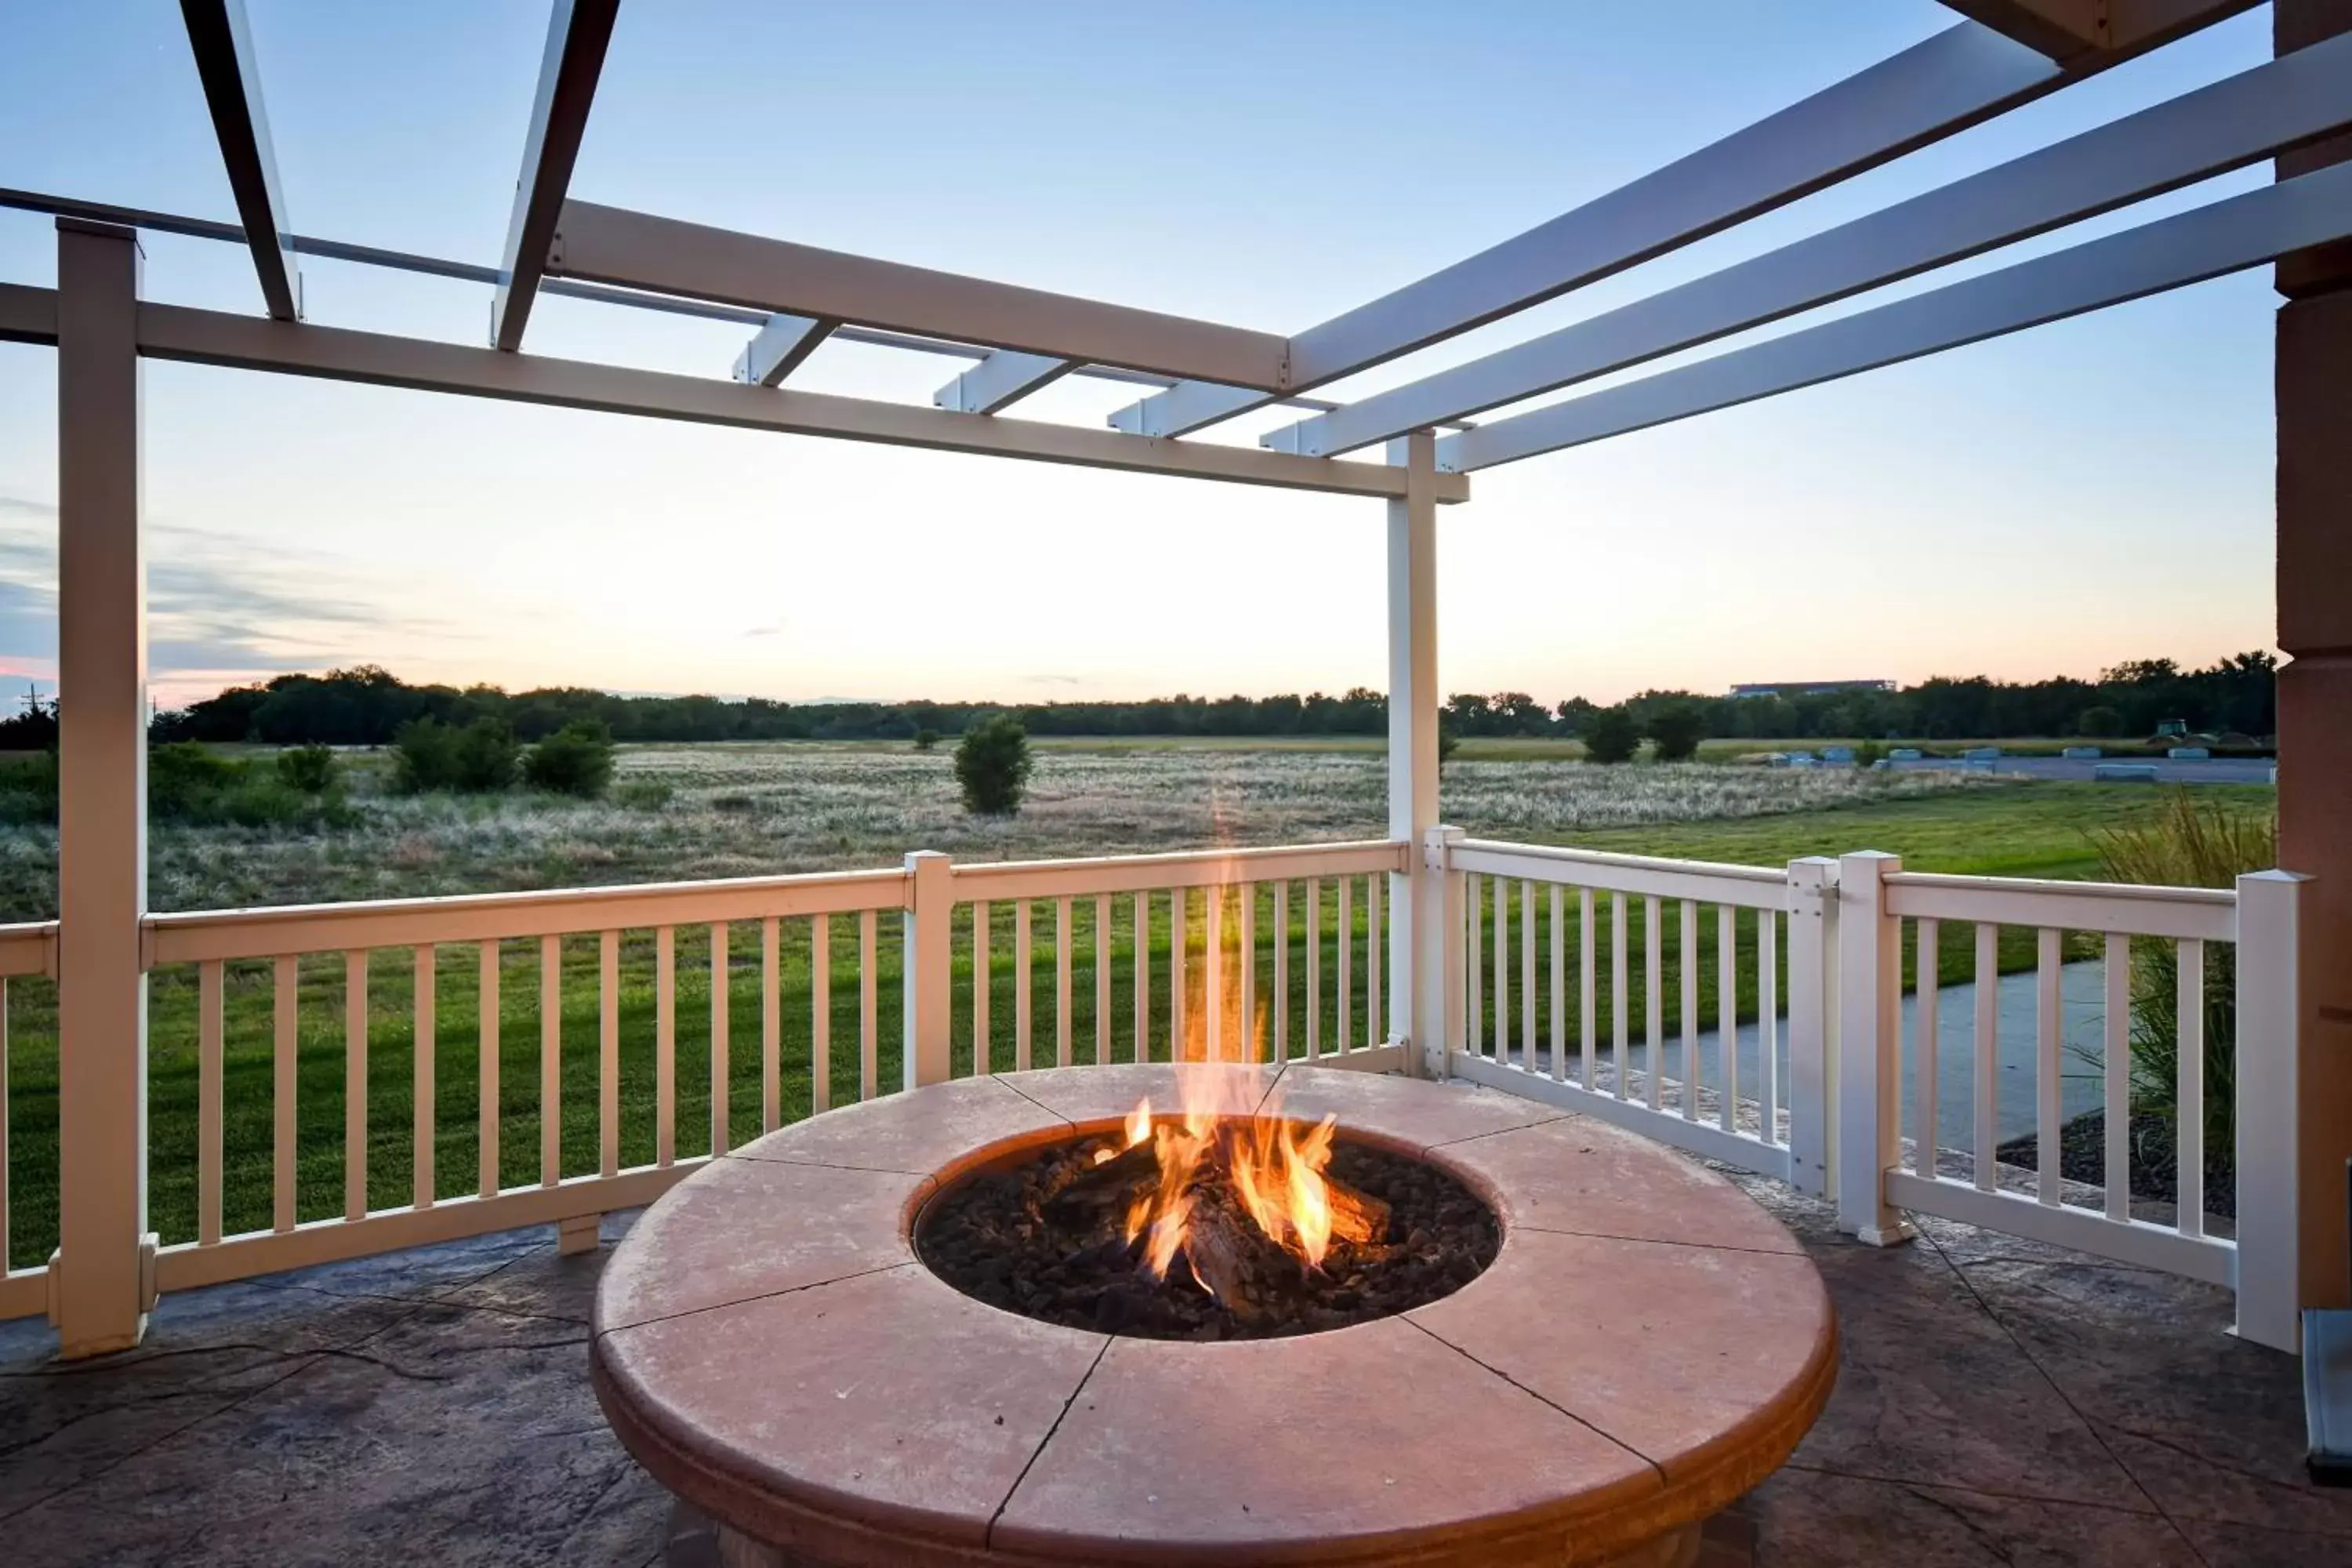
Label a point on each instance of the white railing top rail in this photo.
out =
(1718, 883)
(1188, 868)
(483, 917)
(2125, 909)
(28, 949)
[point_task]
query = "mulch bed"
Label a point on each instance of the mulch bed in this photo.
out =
(2083, 1157)
(1014, 1239)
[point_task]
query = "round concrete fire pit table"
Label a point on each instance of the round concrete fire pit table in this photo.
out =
(1647, 1345)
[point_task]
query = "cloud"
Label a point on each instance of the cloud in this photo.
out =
(1053, 681)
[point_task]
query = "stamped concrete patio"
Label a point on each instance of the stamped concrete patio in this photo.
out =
(1998, 1402)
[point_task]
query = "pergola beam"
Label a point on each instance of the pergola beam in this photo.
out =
(779, 349)
(251, 342)
(222, 41)
(2067, 29)
(609, 244)
(2225, 236)
(1000, 381)
(578, 32)
(2227, 125)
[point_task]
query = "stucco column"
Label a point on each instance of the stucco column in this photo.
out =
(2313, 376)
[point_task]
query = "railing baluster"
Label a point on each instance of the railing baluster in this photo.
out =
(1344, 920)
(1687, 956)
(1314, 967)
(1282, 972)
(771, 1023)
(718, 1031)
(1247, 957)
(286, 987)
(1376, 1030)
(1474, 968)
(1587, 983)
(209, 1029)
(2115, 1068)
(1180, 938)
(1926, 1027)
(1024, 1004)
(820, 1013)
(1528, 1010)
(1768, 1024)
(1213, 970)
(1062, 982)
(1558, 913)
(1653, 1015)
(1102, 978)
(1502, 891)
(355, 1055)
(984, 981)
(423, 1090)
(665, 1044)
(2189, 1118)
(1143, 977)
(1726, 1010)
(1620, 1015)
(485, 1072)
(551, 1061)
(869, 1022)
(2049, 1179)
(1988, 1054)
(608, 1052)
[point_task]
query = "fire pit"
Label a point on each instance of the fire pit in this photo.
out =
(1029, 1319)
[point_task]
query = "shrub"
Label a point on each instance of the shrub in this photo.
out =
(428, 754)
(644, 795)
(1673, 732)
(310, 769)
(993, 764)
(189, 783)
(577, 760)
(1868, 753)
(2099, 723)
(2182, 844)
(28, 790)
(1611, 736)
(1448, 742)
(927, 739)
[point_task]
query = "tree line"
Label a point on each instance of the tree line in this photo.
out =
(368, 706)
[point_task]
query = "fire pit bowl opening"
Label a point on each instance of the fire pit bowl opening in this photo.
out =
(1209, 1227)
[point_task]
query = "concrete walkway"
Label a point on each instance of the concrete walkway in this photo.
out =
(1997, 1403)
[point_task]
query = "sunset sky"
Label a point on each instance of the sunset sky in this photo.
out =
(2054, 502)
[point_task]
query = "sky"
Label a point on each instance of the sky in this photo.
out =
(2051, 502)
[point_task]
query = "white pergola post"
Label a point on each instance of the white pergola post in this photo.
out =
(99, 1294)
(1416, 895)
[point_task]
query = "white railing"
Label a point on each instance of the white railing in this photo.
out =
(1557, 1022)
(1565, 976)
(2256, 918)
(26, 951)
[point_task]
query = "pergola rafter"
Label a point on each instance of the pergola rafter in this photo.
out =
(222, 42)
(578, 32)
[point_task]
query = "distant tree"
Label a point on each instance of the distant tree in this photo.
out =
(1610, 735)
(993, 764)
(479, 759)
(310, 768)
(2101, 722)
(577, 760)
(34, 729)
(926, 739)
(1673, 732)
(1448, 742)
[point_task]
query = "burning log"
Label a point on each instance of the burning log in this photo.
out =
(1084, 1190)
(1236, 1261)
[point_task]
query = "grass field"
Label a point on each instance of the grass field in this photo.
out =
(729, 811)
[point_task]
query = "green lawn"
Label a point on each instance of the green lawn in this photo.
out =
(2032, 830)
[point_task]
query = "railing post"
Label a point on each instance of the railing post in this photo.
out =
(2270, 1240)
(1868, 1072)
(100, 1280)
(1437, 954)
(927, 966)
(1812, 1044)
(1416, 904)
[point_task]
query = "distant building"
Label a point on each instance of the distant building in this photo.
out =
(1807, 687)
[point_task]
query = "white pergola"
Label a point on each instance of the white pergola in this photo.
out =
(1192, 375)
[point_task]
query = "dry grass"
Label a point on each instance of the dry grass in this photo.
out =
(734, 811)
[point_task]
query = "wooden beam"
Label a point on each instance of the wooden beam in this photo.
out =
(2069, 30)
(222, 45)
(578, 32)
